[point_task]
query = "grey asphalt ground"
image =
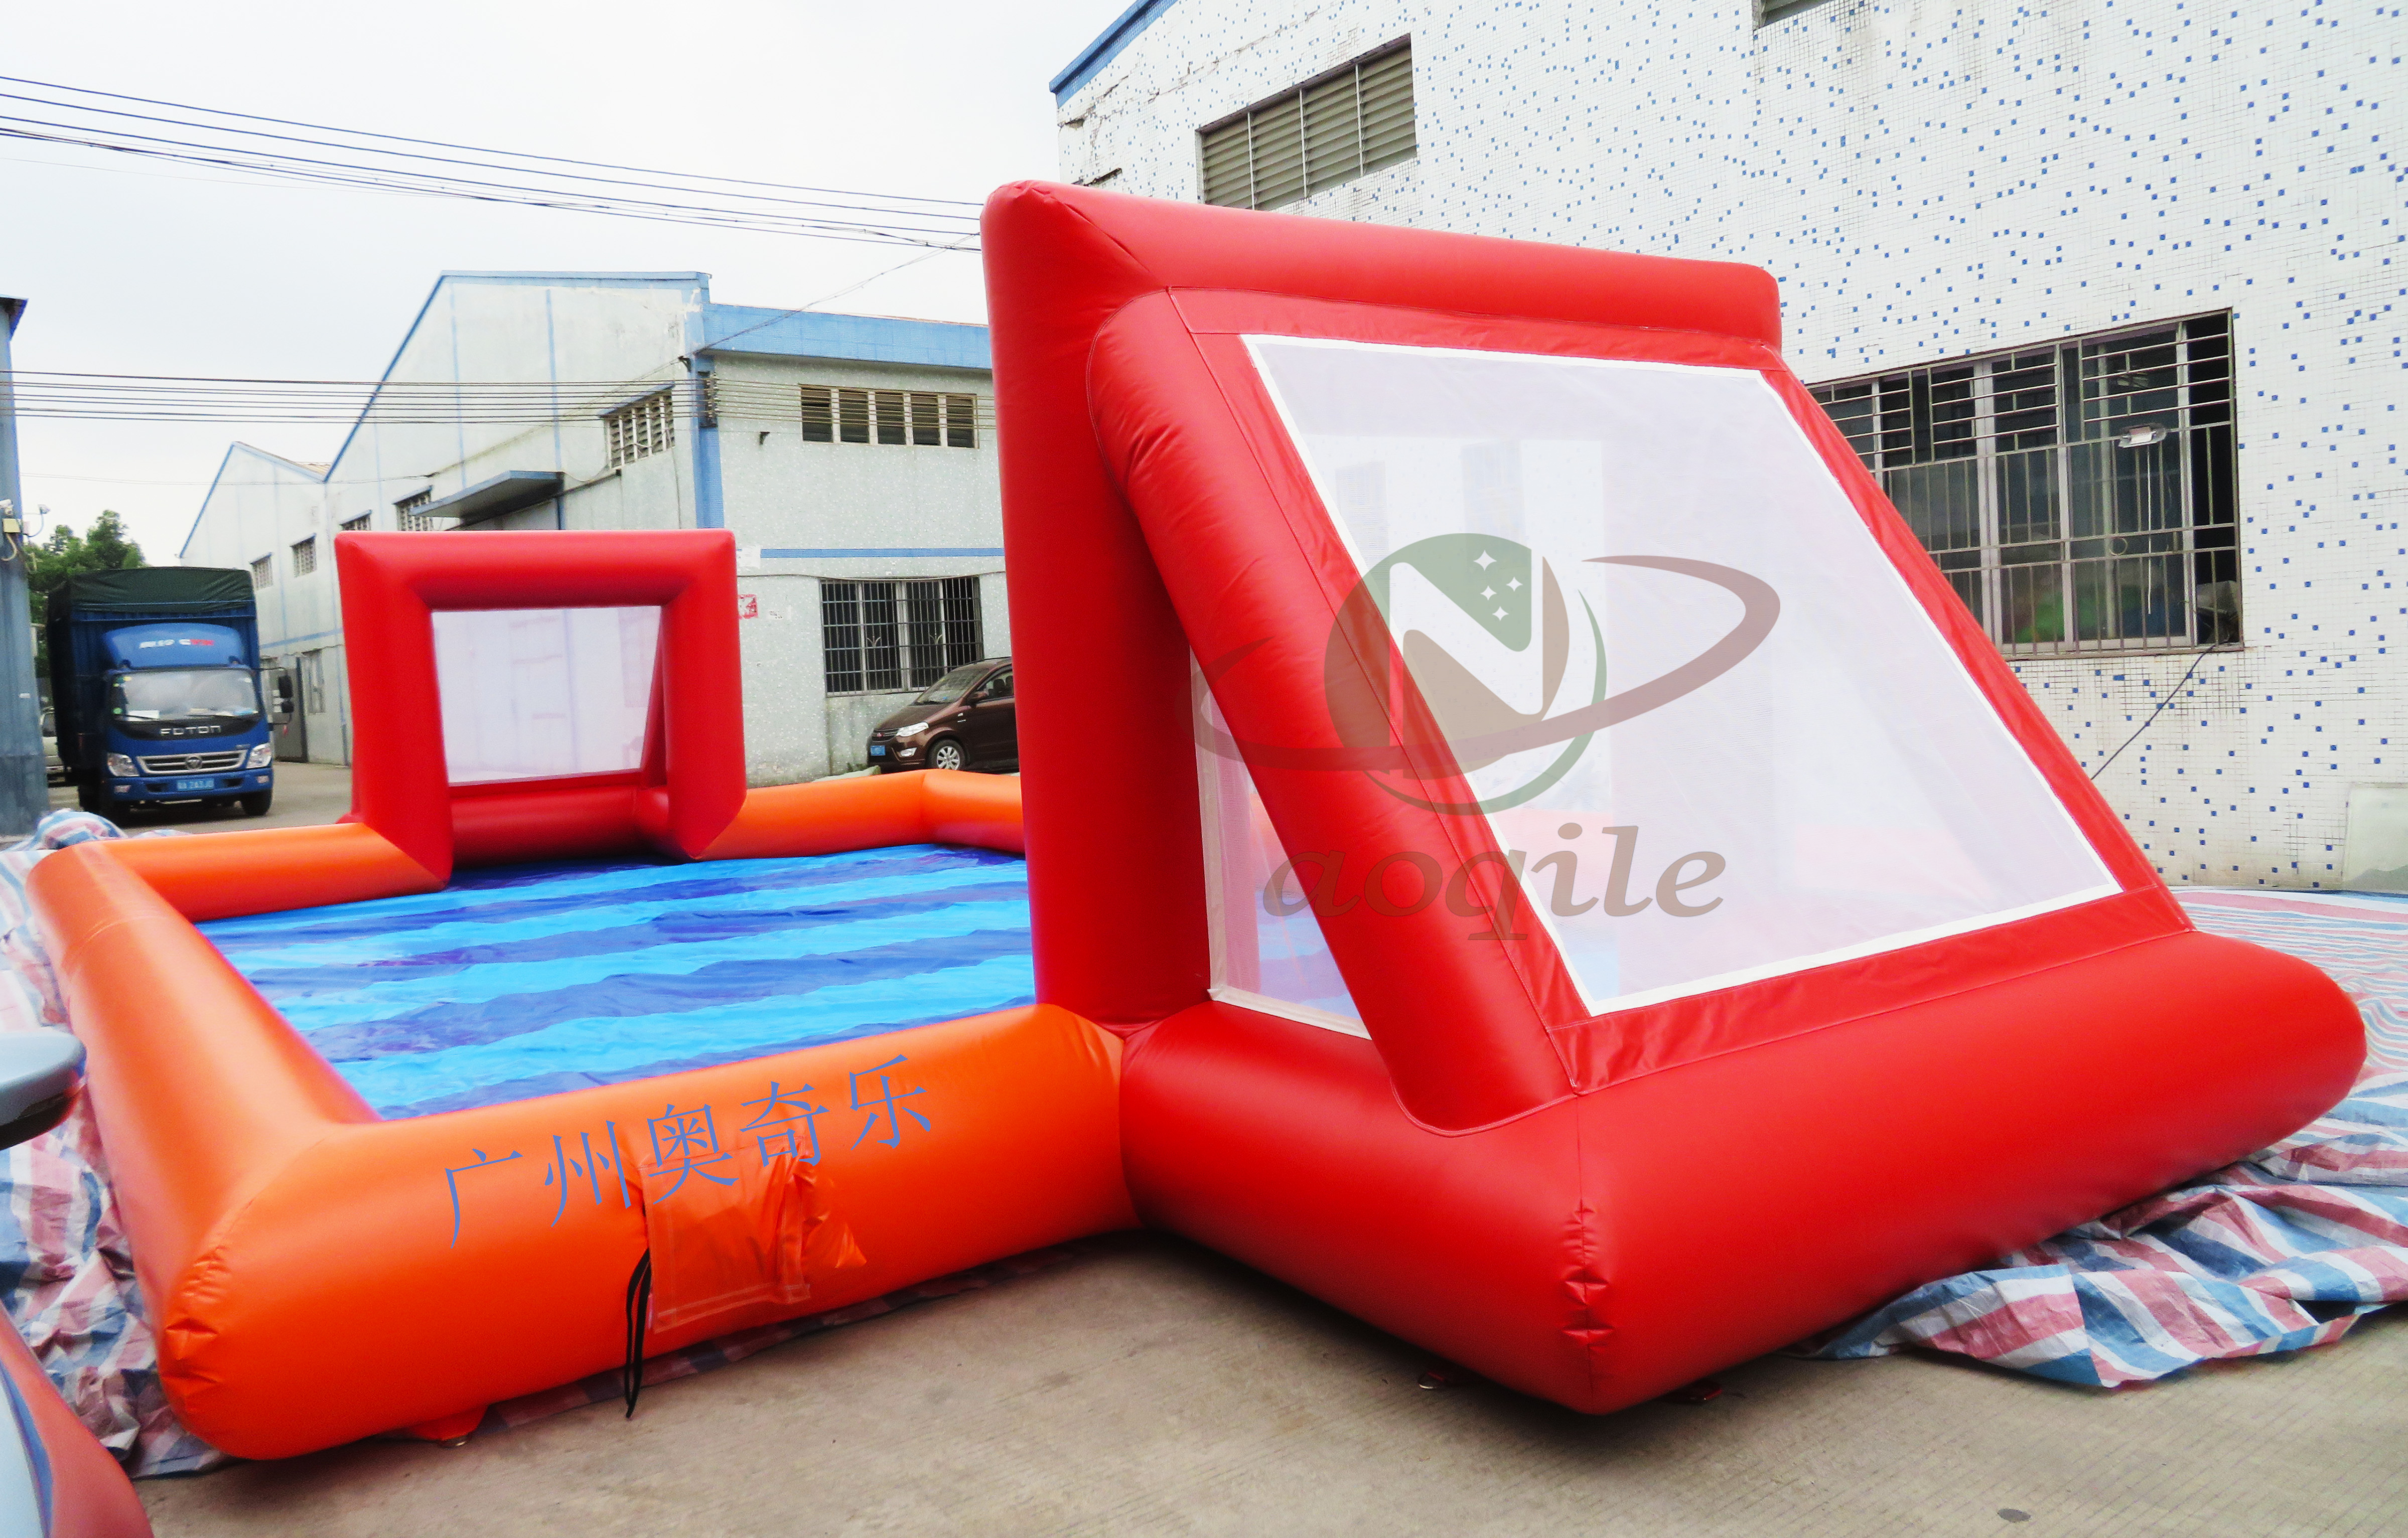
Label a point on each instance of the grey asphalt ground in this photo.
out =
(1151, 1388)
(306, 793)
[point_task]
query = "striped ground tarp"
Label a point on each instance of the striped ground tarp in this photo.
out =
(2287, 1250)
(530, 981)
(66, 1272)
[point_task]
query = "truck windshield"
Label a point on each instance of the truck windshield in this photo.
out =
(220, 697)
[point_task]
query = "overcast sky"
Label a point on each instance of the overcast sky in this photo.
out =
(142, 268)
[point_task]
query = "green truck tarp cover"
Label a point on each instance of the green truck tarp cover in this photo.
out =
(141, 588)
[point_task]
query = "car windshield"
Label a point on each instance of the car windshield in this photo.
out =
(219, 696)
(953, 686)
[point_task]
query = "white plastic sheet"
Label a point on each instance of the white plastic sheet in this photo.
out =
(532, 693)
(1844, 789)
(1265, 955)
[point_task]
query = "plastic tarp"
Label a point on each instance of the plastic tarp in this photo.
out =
(529, 981)
(2289, 1248)
(175, 587)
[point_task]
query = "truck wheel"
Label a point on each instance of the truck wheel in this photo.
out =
(257, 803)
(94, 799)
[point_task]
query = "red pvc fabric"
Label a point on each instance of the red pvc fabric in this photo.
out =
(1217, 487)
(1091, 620)
(1610, 1248)
(1217, 483)
(692, 783)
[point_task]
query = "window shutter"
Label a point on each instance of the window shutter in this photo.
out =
(1387, 110)
(1333, 141)
(1279, 152)
(1228, 167)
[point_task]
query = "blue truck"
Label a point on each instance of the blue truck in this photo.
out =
(155, 686)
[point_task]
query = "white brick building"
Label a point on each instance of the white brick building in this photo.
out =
(853, 456)
(2120, 214)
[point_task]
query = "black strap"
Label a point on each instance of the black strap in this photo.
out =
(640, 1305)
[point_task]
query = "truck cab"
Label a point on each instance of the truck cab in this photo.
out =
(155, 686)
(184, 720)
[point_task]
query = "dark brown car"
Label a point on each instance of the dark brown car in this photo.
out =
(965, 719)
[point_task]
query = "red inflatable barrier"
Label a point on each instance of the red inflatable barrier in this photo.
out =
(1634, 918)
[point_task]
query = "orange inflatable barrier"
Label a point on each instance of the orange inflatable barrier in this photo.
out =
(316, 1273)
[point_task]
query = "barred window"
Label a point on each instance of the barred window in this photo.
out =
(2080, 495)
(929, 420)
(1332, 128)
(642, 427)
(411, 517)
(881, 637)
(359, 525)
(262, 572)
(305, 556)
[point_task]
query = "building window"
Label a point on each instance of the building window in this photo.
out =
(880, 636)
(262, 572)
(411, 517)
(642, 427)
(1326, 131)
(929, 420)
(2079, 495)
(305, 556)
(313, 682)
(359, 525)
(1770, 11)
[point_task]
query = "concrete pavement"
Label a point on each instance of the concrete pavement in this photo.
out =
(1150, 1387)
(1154, 1387)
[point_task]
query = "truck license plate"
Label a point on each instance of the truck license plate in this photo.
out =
(196, 785)
(878, 752)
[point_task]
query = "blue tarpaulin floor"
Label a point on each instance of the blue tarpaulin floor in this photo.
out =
(531, 980)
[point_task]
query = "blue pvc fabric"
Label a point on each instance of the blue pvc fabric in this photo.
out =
(532, 980)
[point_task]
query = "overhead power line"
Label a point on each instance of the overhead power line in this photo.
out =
(388, 403)
(50, 113)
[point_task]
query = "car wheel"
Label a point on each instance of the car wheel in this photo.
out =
(945, 753)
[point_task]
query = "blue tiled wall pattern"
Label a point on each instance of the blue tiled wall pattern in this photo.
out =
(1933, 180)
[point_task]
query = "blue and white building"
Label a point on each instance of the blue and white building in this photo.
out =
(2110, 295)
(853, 456)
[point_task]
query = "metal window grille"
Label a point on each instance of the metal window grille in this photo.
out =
(2081, 495)
(410, 515)
(359, 525)
(305, 556)
(819, 414)
(262, 572)
(928, 420)
(852, 416)
(882, 636)
(1332, 128)
(642, 427)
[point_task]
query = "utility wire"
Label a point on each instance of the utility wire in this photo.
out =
(362, 159)
(2171, 696)
(442, 143)
(125, 398)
